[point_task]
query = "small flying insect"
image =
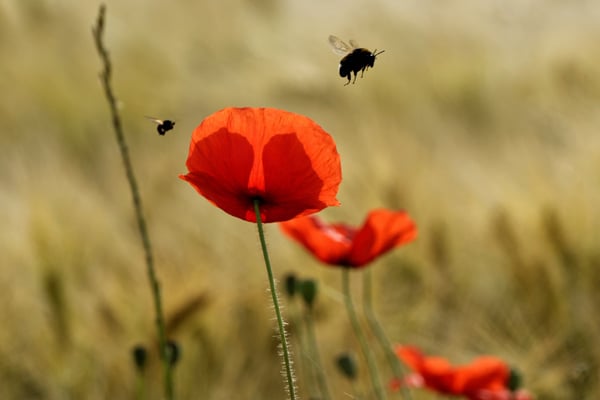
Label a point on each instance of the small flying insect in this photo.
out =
(355, 58)
(163, 125)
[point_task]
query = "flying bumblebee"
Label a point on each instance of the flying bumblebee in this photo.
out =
(355, 58)
(163, 125)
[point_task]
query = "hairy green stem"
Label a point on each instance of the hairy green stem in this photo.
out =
(105, 76)
(380, 333)
(371, 365)
(289, 372)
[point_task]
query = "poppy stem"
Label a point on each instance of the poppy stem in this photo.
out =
(304, 366)
(315, 356)
(377, 329)
(105, 77)
(141, 387)
(372, 366)
(289, 371)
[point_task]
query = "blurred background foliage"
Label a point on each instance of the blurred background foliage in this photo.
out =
(480, 119)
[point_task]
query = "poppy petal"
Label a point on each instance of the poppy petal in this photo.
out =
(328, 243)
(382, 231)
(222, 180)
(485, 372)
(437, 372)
(293, 185)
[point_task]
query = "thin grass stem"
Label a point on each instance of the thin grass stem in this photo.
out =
(105, 76)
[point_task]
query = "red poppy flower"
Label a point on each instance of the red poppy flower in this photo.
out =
(485, 378)
(344, 245)
(285, 160)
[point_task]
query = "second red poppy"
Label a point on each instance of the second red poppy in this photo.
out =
(348, 246)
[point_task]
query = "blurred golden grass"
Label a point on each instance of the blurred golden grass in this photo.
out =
(480, 119)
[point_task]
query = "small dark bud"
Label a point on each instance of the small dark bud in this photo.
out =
(309, 289)
(173, 352)
(291, 283)
(515, 380)
(347, 366)
(140, 356)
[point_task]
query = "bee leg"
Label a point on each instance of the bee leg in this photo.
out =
(347, 83)
(355, 75)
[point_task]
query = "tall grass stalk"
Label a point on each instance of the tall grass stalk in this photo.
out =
(105, 75)
(289, 371)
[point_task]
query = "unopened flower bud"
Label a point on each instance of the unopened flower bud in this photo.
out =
(515, 380)
(173, 352)
(308, 289)
(347, 365)
(291, 283)
(140, 355)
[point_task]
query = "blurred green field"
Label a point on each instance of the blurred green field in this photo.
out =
(480, 119)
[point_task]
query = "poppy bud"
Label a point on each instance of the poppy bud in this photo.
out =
(308, 290)
(173, 352)
(140, 355)
(515, 380)
(347, 365)
(291, 283)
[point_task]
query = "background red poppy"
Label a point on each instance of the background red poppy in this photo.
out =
(345, 245)
(486, 373)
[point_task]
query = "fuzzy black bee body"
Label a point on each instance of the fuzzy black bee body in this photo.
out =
(163, 125)
(355, 58)
(358, 60)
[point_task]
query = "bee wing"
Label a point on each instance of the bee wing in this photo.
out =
(155, 120)
(339, 46)
(353, 43)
